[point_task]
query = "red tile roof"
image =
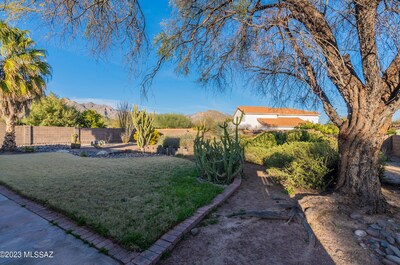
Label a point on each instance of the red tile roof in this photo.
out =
(279, 111)
(281, 122)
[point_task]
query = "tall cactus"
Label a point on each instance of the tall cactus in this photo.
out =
(143, 122)
(221, 160)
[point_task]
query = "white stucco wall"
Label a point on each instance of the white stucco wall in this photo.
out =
(250, 122)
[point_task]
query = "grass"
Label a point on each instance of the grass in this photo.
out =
(133, 201)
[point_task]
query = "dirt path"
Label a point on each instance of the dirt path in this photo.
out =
(232, 240)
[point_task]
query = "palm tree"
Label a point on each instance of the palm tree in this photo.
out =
(23, 73)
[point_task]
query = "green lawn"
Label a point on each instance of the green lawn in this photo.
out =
(133, 200)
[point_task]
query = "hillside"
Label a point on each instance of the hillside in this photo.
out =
(212, 115)
(111, 113)
(104, 110)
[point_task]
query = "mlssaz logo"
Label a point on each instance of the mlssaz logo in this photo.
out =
(38, 254)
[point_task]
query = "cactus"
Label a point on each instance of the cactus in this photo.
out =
(221, 160)
(143, 124)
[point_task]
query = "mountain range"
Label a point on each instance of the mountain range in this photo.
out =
(104, 110)
(111, 113)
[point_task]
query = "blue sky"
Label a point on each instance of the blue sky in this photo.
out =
(81, 77)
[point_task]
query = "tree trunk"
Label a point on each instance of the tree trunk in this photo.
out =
(359, 164)
(9, 143)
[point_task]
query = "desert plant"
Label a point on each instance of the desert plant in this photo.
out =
(125, 121)
(219, 161)
(28, 149)
(143, 123)
(304, 165)
(75, 143)
(154, 140)
(172, 120)
(173, 142)
(74, 138)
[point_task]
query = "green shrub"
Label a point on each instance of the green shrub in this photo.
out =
(304, 165)
(172, 120)
(28, 149)
(266, 139)
(391, 131)
(328, 128)
(91, 119)
(383, 159)
(256, 154)
(183, 141)
(172, 142)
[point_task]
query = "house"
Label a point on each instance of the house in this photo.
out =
(264, 118)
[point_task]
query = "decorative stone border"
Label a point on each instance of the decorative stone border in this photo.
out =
(149, 256)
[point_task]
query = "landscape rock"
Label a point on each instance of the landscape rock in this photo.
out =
(382, 223)
(363, 246)
(390, 240)
(384, 244)
(389, 251)
(395, 250)
(355, 216)
(393, 258)
(375, 226)
(371, 241)
(102, 153)
(380, 252)
(360, 233)
(388, 262)
(384, 233)
(397, 238)
(62, 151)
(194, 231)
(373, 232)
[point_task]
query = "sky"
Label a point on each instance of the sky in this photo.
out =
(83, 78)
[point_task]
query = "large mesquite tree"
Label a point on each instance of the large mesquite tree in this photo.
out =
(336, 51)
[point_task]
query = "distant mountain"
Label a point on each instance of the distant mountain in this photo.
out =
(111, 113)
(215, 116)
(104, 110)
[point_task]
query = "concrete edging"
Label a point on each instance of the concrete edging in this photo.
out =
(150, 256)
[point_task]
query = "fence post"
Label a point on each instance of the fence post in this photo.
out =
(78, 132)
(31, 135)
(27, 135)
